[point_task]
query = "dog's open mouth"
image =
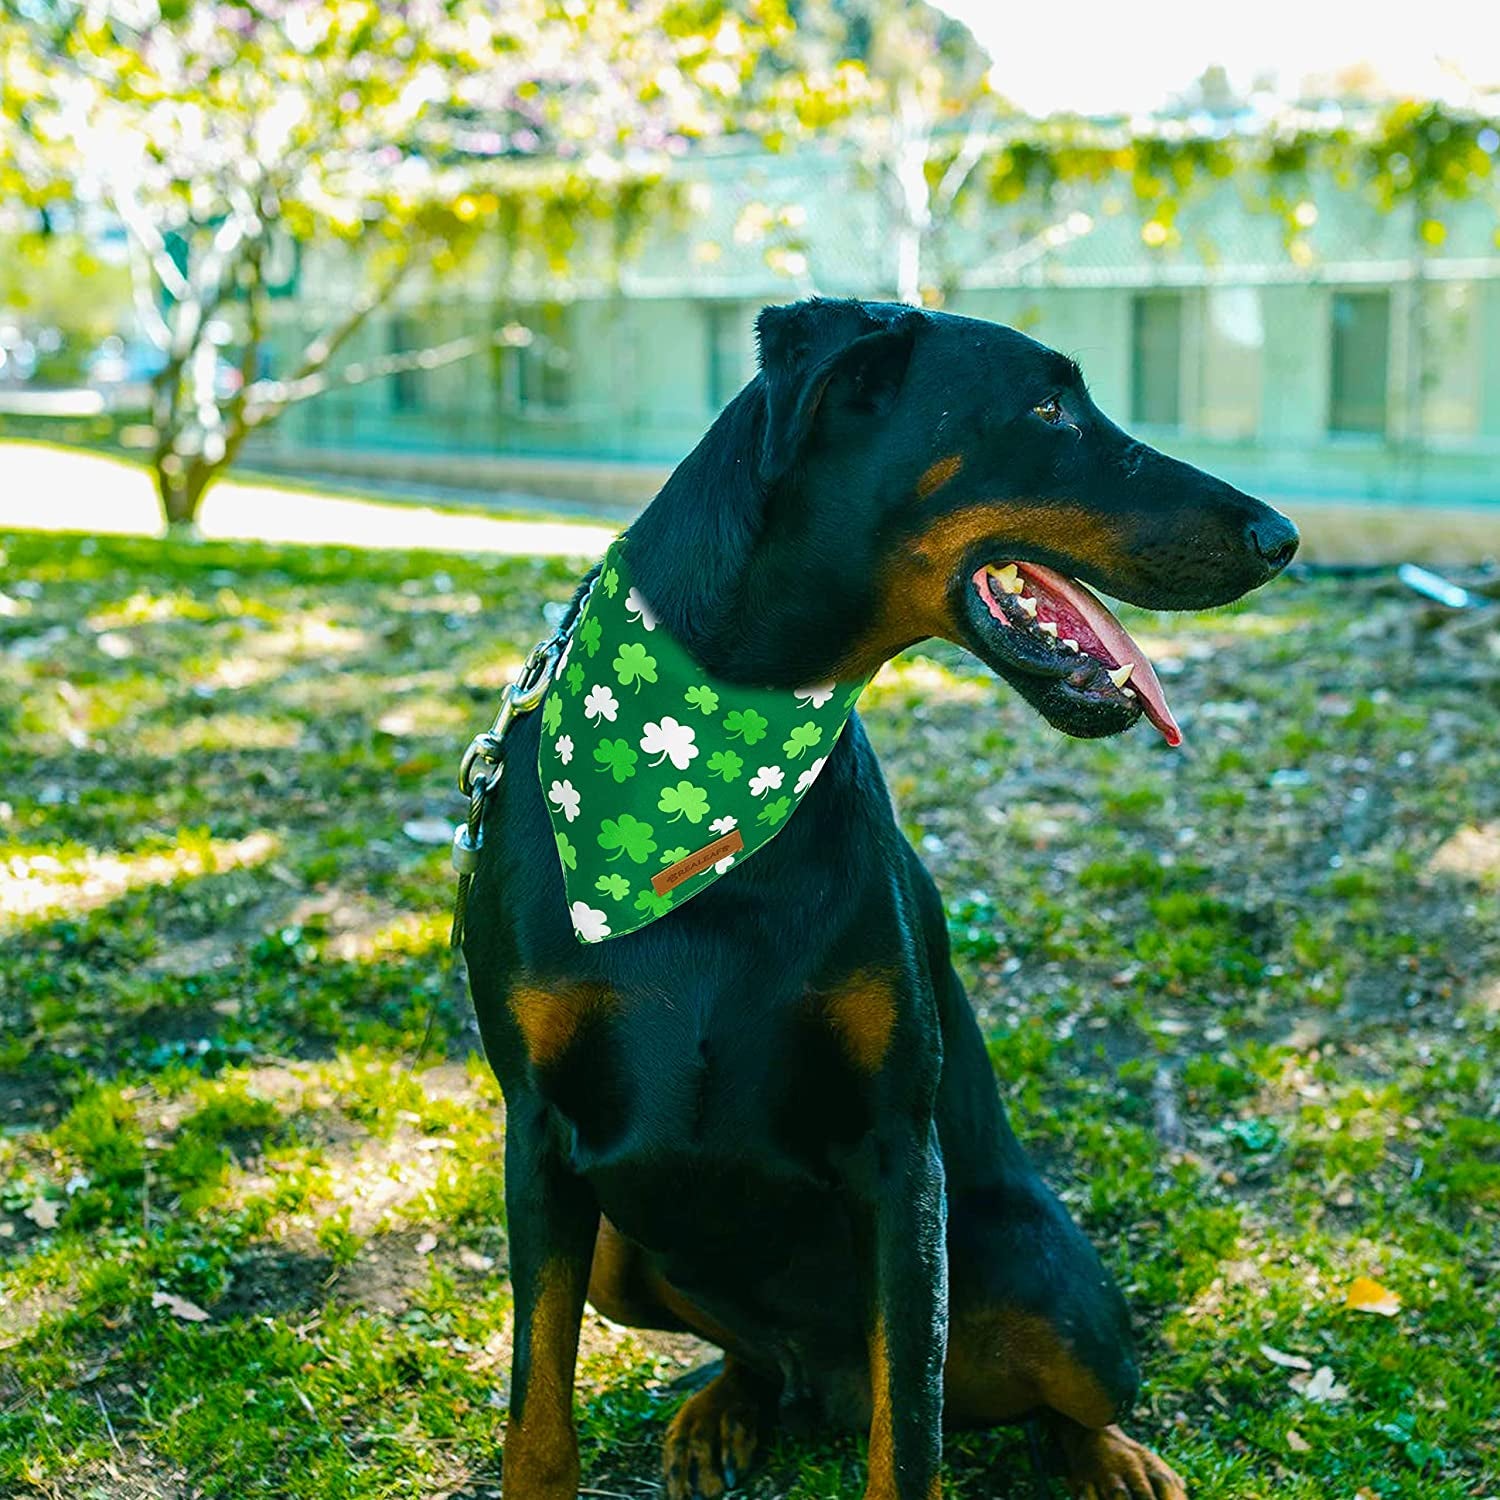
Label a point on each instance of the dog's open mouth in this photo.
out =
(1060, 644)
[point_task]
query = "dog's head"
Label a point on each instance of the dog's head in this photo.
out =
(932, 475)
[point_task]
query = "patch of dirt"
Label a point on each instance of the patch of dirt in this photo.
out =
(130, 1473)
(275, 1281)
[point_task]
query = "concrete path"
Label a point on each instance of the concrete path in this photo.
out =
(44, 488)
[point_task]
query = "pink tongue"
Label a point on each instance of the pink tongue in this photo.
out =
(1115, 639)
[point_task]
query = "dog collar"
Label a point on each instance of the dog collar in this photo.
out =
(658, 776)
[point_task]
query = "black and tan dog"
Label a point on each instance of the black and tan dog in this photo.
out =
(769, 1117)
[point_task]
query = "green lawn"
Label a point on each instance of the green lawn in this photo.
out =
(1244, 1001)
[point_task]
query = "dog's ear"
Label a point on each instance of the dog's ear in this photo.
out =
(819, 355)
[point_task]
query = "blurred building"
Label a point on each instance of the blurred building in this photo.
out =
(1357, 357)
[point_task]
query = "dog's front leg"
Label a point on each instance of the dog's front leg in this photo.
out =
(553, 1221)
(908, 1330)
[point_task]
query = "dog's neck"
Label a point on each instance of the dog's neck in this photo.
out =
(701, 552)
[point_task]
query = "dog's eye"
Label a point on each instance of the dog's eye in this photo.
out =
(1049, 410)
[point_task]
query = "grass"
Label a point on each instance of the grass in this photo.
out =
(1243, 1001)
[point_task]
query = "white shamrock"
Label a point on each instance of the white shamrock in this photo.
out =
(810, 775)
(601, 703)
(589, 922)
(767, 779)
(635, 606)
(670, 740)
(565, 749)
(565, 796)
(723, 825)
(816, 695)
(720, 865)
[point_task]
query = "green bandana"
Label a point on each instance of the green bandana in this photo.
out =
(657, 777)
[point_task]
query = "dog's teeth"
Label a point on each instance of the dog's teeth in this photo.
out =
(1048, 627)
(1029, 605)
(1069, 645)
(1129, 692)
(1008, 578)
(1121, 675)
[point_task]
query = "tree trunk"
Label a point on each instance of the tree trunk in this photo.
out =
(181, 490)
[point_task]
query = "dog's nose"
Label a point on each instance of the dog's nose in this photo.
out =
(1274, 539)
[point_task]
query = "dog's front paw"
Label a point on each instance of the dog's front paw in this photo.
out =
(712, 1440)
(1104, 1464)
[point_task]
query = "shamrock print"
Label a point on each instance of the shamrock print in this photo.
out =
(725, 763)
(564, 748)
(563, 795)
(575, 679)
(810, 775)
(617, 757)
(746, 724)
(669, 740)
(803, 737)
(601, 703)
(639, 611)
(589, 922)
(566, 851)
(671, 856)
(721, 865)
(815, 696)
(853, 697)
(652, 904)
(774, 812)
(767, 779)
(629, 836)
(613, 885)
(684, 801)
(552, 713)
(610, 581)
(723, 825)
(633, 663)
(703, 698)
(589, 634)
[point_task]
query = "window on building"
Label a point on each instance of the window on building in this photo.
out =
(544, 367)
(1359, 351)
(725, 350)
(406, 385)
(1156, 358)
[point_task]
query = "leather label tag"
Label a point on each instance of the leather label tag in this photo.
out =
(710, 854)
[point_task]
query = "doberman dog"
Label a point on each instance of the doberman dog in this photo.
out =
(769, 1117)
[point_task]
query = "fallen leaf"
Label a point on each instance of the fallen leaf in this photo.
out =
(1319, 1386)
(42, 1212)
(1286, 1361)
(427, 1244)
(1296, 1442)
(1366, 1295)
(179, 1307)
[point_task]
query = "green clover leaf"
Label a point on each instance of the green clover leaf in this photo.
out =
(628, 836)
(673, 855)
(803, 737)
(774, 812)
(618, 757)
(684, 801)
(703, 698)
(575, 679)
(725, 763)
(633, 663)
(588, 635)
(613, 885)
(566, 852)
(610, 582)
(652, 904)
(746, 724)
(552, 713)
(853, 697)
